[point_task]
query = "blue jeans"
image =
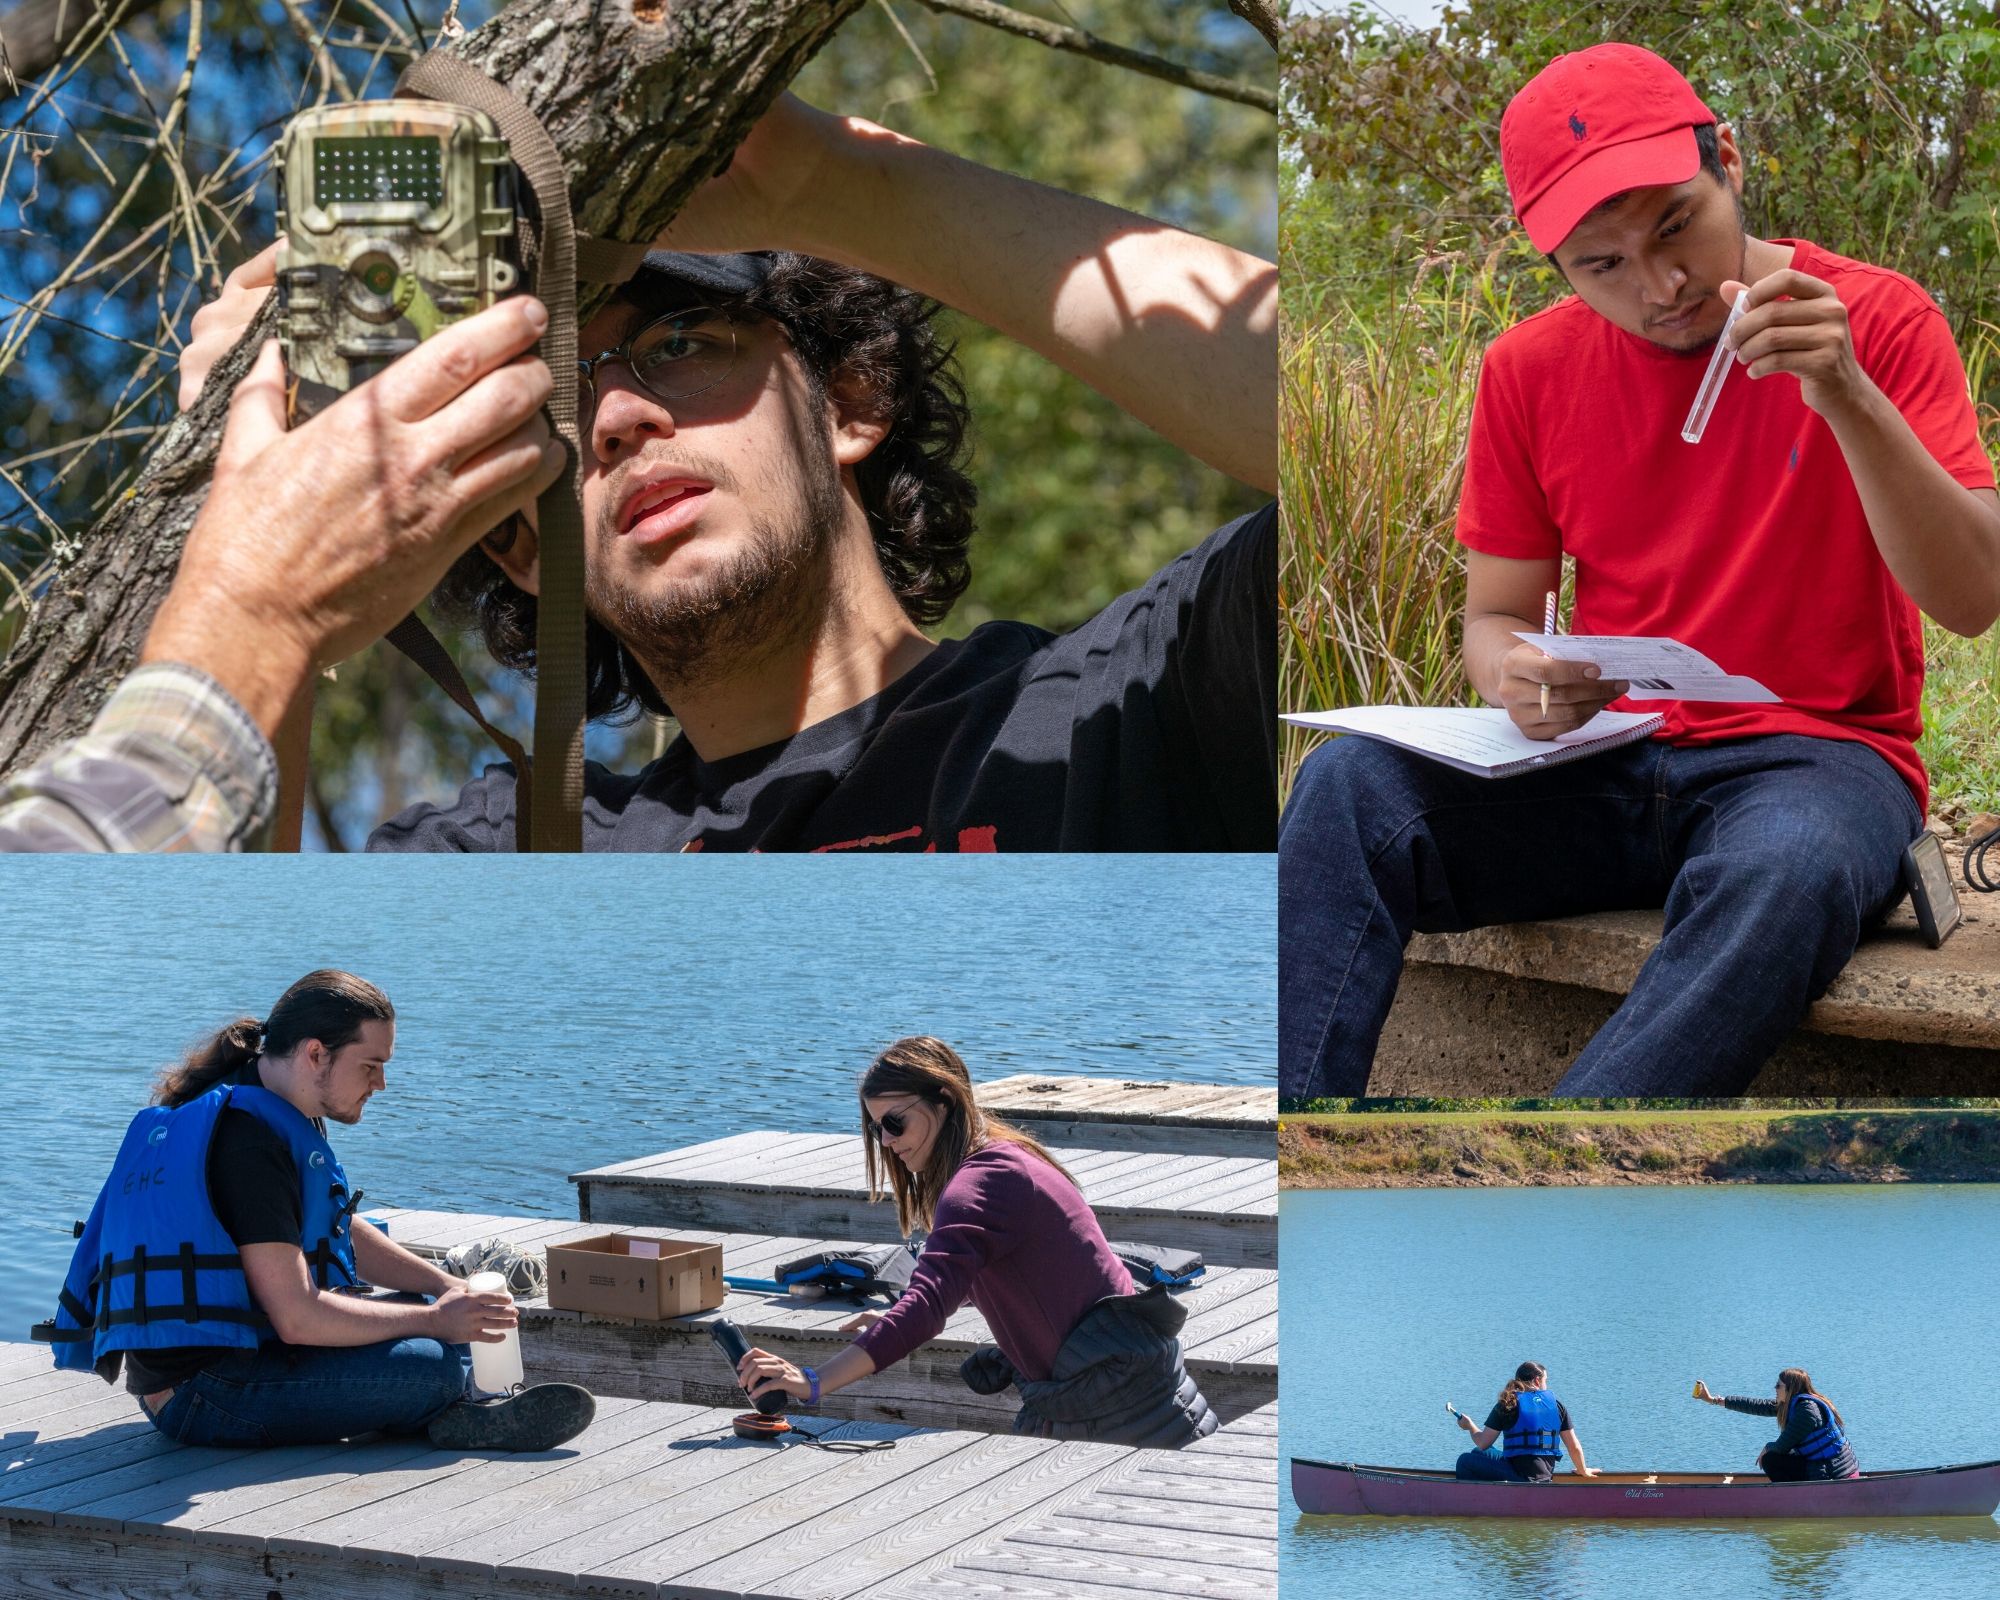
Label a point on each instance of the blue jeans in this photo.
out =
(310, 1394)
(1770, 856)
(1490, 1466)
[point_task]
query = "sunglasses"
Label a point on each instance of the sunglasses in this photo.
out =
(891, 1126)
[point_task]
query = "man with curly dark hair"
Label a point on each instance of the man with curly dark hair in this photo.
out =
(776, 505)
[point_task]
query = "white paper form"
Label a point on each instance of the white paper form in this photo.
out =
(1657, 669)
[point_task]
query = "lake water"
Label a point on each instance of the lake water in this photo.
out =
(1885, 1294)
(557, 1015)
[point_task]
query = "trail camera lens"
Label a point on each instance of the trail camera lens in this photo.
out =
(377, 273)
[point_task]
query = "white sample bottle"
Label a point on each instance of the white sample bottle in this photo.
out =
(496, 1368)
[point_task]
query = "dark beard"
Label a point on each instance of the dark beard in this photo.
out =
(770, 597)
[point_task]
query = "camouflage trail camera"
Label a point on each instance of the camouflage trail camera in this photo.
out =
(398, 218)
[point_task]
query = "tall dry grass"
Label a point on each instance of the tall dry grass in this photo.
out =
(1373, 414)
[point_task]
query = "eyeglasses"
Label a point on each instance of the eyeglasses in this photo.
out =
(892, 1124)
(671, 358)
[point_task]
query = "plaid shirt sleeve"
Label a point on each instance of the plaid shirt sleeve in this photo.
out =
(171, 763)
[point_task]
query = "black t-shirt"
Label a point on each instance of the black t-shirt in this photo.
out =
(253, 1183)
(1151, 727)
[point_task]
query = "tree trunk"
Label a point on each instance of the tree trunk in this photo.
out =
(645, 99)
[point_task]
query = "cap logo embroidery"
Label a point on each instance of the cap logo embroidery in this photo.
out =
(1576, 127)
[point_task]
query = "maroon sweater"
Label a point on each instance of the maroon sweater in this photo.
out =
(1013, 1236)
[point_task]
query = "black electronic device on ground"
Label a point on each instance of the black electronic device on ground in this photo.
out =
(734, 1347)
(1931, 892)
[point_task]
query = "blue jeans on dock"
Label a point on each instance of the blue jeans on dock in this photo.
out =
(311, 1394)
(1770, 856)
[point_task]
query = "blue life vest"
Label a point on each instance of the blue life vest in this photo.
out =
(1537, 1429)
(155, 1269)
(1824, 1442)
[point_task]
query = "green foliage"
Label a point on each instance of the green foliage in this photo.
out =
(1866, 125)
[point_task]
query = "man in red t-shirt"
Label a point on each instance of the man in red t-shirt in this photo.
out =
(1839, 488)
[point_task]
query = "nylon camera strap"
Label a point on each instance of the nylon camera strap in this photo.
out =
(548, 790)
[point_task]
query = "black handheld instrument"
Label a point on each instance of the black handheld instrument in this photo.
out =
(734, 1347)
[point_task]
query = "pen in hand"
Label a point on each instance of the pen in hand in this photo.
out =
(1548, 631)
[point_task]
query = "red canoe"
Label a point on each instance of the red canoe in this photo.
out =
(1343, 1489)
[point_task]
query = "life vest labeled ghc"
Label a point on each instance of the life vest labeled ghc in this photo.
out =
(155, 1269)
(1537, 1429)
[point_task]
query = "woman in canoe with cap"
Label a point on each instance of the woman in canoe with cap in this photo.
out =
(1010, 1232)
(1811, 1442)
(1532, 1430)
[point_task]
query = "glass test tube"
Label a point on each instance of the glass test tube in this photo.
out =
(1718, 369)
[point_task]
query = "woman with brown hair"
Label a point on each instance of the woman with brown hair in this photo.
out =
(1532, 1430)
(1008, 1231)
(1812, 1441)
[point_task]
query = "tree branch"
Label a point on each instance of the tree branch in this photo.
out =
(1261, 15)
(35, 33)
(1058, 37)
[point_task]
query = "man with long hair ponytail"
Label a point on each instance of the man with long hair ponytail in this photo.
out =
(1009, 1231)
(215, 1264)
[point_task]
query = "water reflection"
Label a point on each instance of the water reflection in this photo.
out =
(1802, 1560)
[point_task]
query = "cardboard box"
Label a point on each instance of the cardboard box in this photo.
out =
(647, 1276)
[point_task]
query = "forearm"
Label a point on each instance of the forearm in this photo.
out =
(1488, 638)
(386, 1264)
(1939, 541)
(1177, 330)
(1482, 1438)
(1574, 1446)
(262, 669)
(172, 762)
(850, 1366)
(339, 1321)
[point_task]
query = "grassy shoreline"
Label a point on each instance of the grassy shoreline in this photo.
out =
(1478, 1149)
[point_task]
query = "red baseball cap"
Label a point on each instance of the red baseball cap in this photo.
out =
(1592, 124)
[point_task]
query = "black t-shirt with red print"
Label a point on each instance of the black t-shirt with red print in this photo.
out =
(1151, 727)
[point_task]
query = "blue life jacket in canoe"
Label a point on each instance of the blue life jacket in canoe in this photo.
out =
(155, 1269)
(1537, 1429)
(1824, 1442)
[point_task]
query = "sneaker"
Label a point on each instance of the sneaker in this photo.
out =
(539, 1418)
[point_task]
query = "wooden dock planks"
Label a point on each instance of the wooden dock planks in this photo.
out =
(655, 1499)
(1230, 1339)
(1126, 1114)
(813, 1186)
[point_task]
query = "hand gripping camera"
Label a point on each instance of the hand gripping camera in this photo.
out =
(398, 218)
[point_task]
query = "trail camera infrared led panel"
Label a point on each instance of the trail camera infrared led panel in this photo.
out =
(378, 169)
(398, 217)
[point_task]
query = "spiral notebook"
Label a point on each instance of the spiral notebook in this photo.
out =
(1480, 740)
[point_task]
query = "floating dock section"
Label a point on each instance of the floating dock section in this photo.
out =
(814, 1185)
(654, 1499)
